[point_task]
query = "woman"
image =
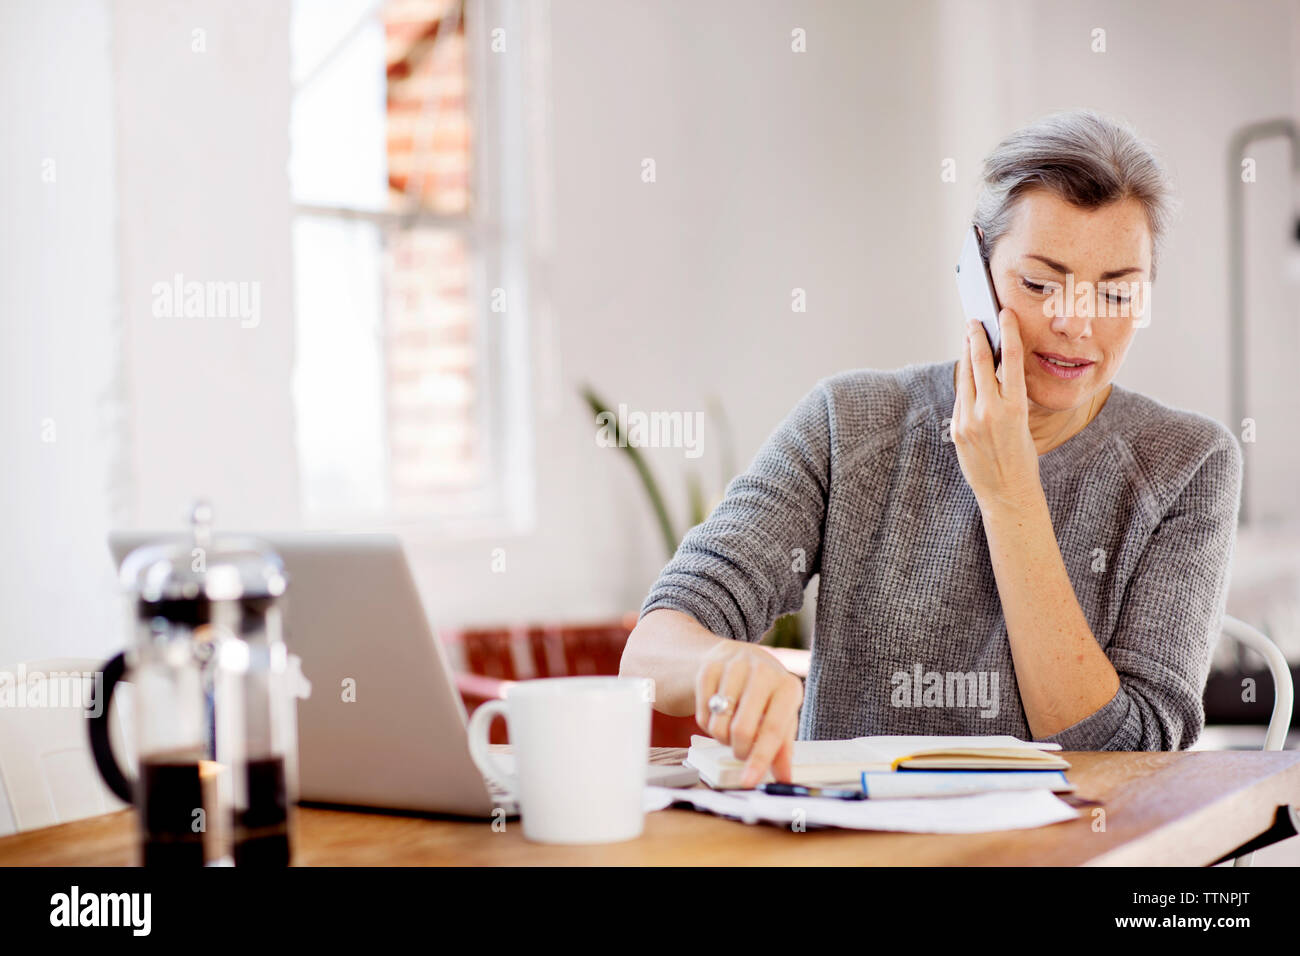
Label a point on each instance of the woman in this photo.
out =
(1036, 551)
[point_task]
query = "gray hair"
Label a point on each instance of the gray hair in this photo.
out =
(1082, 157)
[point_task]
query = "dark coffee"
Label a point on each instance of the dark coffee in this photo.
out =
(262, 828)
(171, 791)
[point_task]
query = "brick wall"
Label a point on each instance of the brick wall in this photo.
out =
(434, 415)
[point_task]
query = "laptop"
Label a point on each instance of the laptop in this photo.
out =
(353, 613)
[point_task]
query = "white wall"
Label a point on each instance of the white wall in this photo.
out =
(775, 170)
(166, 160)
(203, 147)
(61, 325)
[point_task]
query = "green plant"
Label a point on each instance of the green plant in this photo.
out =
(787, 631)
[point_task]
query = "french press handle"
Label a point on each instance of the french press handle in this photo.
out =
(101, 746)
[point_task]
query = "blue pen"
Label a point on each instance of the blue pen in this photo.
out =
(794, 790)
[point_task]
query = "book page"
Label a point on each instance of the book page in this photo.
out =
(887, 749)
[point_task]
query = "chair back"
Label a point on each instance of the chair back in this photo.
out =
(1283, 687)
(47, 773)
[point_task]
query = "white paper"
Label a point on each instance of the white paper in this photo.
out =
(659, 798)
(977, 813)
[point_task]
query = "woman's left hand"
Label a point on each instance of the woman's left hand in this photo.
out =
(990, 419)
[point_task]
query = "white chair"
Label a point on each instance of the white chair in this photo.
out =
(1283, 689)
(47, 773)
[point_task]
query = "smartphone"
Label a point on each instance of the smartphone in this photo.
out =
(978, 298)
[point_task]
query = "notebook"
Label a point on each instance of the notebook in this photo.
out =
(822, 762)
(883, 785)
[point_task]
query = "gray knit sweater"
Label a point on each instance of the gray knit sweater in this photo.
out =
(861, 485)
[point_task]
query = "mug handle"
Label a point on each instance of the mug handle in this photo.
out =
(100, 744)
(480, 722)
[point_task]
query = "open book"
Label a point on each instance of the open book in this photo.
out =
(825, 762)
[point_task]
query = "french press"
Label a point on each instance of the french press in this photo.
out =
(215, 714)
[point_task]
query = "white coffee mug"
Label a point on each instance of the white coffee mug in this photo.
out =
(581, 745)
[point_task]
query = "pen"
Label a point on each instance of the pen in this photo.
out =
(794, 790)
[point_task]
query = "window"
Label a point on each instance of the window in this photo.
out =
(410, 287)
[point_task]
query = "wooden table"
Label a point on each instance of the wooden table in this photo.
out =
(1181, 808)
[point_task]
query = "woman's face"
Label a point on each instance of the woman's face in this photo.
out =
(1088, 319)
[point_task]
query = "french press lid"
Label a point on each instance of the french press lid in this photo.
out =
(188, 576)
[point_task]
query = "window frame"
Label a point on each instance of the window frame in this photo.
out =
(501, 254)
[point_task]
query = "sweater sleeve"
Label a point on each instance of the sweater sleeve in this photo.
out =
(1170, 618)
(749, 561)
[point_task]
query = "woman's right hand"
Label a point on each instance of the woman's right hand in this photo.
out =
(761, 724)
